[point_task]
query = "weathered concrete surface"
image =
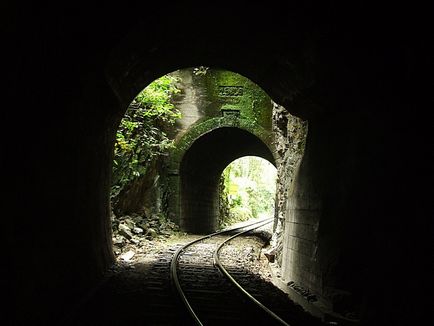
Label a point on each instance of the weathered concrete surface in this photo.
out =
(289, 135)
(339, 213)
(212, 93)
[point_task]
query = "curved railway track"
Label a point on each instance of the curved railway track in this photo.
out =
(224, 300)
(142, 293)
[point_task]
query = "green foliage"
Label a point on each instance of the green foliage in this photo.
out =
(140, 137)
(247, 191)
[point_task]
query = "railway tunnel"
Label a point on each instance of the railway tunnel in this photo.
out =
(201, 169)
(361, 222)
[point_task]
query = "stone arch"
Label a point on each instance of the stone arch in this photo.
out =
(201, 166)
(132, 65)
(198, 130)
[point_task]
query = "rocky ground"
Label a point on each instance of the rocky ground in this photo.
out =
(138, 240)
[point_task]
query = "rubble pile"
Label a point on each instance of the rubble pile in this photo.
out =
(134, 233)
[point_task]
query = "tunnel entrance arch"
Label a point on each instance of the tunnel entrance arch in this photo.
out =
(200, 170)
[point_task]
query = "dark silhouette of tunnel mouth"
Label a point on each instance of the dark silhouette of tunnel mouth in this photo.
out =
(201, 168)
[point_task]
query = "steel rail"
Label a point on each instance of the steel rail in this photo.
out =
(174, 262)
(222, 269)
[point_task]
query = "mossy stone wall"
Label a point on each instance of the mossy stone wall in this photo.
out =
(210, 99)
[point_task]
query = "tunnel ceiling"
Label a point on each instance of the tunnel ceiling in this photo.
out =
(201, 168)
(293, 55)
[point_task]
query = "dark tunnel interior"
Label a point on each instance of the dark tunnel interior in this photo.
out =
(358, 72)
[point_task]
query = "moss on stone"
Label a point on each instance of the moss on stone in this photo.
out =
(200, 129)
(223, 99)
(247, 97)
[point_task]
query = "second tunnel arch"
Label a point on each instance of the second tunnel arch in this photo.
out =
(201, 167)
(210, 99)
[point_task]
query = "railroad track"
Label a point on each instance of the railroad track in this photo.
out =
(209, 292)
(143, 295)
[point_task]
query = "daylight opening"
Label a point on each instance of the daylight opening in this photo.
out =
(177, 136)
(247, 190)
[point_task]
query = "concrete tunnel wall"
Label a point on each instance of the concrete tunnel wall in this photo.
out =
(71, 83)
(201, 168)
(329, 226)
